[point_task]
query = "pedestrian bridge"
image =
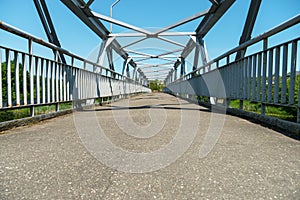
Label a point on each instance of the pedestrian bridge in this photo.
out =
(222, 128)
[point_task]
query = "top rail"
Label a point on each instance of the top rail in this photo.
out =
(29, 37)
(264, 36)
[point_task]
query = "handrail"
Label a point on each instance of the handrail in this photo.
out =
(287, 24)
(16, 31)
(283, 26)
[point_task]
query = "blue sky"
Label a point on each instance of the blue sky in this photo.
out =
(77, 38)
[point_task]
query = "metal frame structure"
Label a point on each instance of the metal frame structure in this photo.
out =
(135, 59)
(261, 77)
(42, 81)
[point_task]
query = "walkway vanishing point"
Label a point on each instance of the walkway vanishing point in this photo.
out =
(55, 159)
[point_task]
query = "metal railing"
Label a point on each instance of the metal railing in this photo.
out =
(29, 80)
(267, 77)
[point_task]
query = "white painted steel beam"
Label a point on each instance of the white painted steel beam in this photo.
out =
(103, 48)
(143, 35)
(171, 41)
(120, 23)
(134, 42)
(196, 16)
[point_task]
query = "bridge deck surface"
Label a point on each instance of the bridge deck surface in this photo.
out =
(56, 160)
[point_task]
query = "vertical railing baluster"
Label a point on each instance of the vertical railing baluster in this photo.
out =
(8, 78)
(65, 82)
(284, 73)
(31, 66)
(57, 81)
(240, 79)
(17, 78)
(270, 76)
(37, 67)
(76, 84)
(241, 83)
(79, 84)
(53, 70)
(293, 73)
(48, 64)
(259, 67)
(254, 79)
(245, 67)
(60, 82)
(82, 85)
(249, 77)
(43, 71)
(227, 82)
(276, 79)
(231, 82)
(24, 79)
(68, 77)
(72, 82)
(264, 77)
(72, 79)
(88, 83)
(235, 83)
(89, 78)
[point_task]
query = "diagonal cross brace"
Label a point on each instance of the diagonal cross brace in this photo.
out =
(44, 15)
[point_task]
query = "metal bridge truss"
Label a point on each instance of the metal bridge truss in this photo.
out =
(161, 63)
(268, 77)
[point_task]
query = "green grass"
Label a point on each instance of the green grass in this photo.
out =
(285, 113)
(7, 115)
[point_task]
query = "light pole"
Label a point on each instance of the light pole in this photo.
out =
(111, 12)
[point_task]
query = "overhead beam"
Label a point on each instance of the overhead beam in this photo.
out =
(161, 70)
(134, 42)
(143, 35)
(170, 41)
(120, 23)
(151, 64)
(156, 67)
(196, 16)
(248, 27)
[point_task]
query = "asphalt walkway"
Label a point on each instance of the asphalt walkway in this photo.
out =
(151, 146)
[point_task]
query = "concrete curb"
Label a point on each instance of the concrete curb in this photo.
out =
(31, 120)
(287, 128)
(290, 129)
